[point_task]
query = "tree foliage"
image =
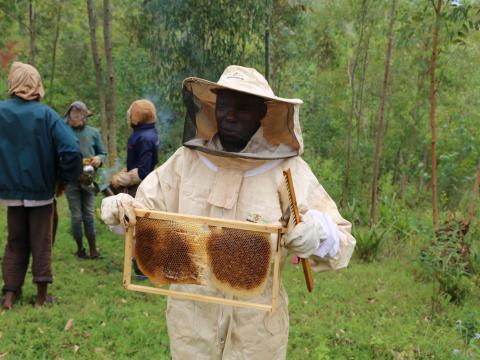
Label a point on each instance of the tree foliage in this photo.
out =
(312, 45)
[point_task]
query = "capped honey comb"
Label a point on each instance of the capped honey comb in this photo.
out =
(182, 252)
(168, 252)
(239, 260)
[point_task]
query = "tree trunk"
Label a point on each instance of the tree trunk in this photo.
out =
(54, 50)
(276, 11)
(31, 19)
(268, 24)
(433, 90)
(412, 135)
(111, 104)
(359, 113)
(98, 72)
(352, 72)
(379, 130)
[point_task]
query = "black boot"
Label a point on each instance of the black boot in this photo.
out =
(92, 244)
(80, 249)
(138, 273)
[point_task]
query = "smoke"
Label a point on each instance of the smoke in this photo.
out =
(104, 174)
(165, 124)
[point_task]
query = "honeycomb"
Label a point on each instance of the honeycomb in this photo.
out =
(239, 260)
(181, 252)
(168, 252)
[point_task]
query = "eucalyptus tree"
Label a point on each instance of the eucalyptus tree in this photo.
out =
(380, 123)
(200, 38)
(98, 69)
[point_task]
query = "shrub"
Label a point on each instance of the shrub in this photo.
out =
(469, 329)
(446, 259)
(369, 241)
(355, 213)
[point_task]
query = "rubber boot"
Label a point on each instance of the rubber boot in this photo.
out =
(80, 249)
(138, 273)
(92, 244)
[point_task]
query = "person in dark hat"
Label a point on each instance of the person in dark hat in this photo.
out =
(81, 191)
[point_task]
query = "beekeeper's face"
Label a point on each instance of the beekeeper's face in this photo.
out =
(77, 118)
(238, 118)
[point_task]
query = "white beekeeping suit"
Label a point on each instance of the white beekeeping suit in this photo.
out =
(201, 178)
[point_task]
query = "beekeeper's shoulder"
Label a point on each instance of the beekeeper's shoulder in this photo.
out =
(170, 170)
(299, 167)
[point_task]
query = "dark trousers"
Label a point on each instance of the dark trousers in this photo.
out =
(29, 232)
(82, 211)
(55, 221)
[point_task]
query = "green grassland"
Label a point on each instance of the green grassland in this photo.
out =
(368, 311)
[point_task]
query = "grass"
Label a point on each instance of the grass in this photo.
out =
(369, 311)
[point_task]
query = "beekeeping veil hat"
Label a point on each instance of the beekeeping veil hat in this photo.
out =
(279, 135)
(25, 82)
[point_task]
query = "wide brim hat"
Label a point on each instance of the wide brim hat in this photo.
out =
(280, 125)
(241, 79)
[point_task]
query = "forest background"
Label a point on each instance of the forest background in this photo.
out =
(391, 123)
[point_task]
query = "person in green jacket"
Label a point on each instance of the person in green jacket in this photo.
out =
(81, 192)
(38, 154)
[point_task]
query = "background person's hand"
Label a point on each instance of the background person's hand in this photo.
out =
(126, 178)
(96, 162)
(60, 189)
(115, 180)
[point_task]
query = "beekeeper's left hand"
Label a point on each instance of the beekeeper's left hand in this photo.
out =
(316, 234)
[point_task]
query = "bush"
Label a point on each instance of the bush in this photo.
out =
(469, 329)
(369, 241)
(395, 212)
(355, 213)
(447, 260)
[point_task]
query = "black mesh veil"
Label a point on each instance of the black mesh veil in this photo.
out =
(276, 138)
(192, 107)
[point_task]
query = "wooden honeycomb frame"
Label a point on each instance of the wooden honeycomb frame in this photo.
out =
(240, 225)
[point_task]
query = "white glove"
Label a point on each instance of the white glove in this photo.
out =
(119, 209)
(304, 238)
(316, 234)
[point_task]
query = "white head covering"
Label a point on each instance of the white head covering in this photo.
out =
(25, 82)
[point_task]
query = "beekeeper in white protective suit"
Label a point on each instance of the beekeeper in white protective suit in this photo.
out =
(238, 138)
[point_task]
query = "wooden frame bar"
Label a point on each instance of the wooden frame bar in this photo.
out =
(241, 225)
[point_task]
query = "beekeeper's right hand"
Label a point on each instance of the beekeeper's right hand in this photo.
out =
(119, 209)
